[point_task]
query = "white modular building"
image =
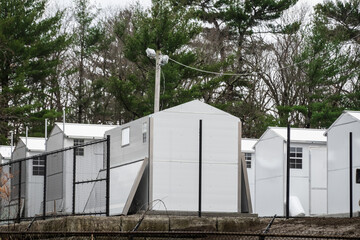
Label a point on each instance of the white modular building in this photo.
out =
(308, 171)
(338, 137)
(247, 148)
(59, 171)
(185, 158)
(32, 175)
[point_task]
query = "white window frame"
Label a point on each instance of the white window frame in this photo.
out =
(296, 157)
(80, 151)
(248, 160)
(38, 166)
(125, 136)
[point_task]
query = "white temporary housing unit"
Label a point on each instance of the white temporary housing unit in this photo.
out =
(32, 174)
(308, 181)
(59, 171)
(171, 141)
(247, 148)
(338, 137)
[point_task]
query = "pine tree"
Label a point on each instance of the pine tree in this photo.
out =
(161, 28)
(28, 40)
(323, 62)
(87, 36)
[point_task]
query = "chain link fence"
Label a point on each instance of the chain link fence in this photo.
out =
(68, 181)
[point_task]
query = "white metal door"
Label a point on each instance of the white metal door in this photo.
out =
(318, 181)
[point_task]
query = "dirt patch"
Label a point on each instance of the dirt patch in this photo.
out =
(310, 226)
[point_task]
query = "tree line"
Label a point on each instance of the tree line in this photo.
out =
(275, 63)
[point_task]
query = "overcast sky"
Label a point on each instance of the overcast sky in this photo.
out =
(102, 3)
(144, 3)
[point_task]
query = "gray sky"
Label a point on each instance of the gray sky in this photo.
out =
(145, 3)
(102, 3)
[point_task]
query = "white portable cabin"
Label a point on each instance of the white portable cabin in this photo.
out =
(170, 142)
(89, 160)
(338, 137)
(32, 174)
(308, 181)
(247, 148)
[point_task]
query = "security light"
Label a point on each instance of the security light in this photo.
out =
(150, 53)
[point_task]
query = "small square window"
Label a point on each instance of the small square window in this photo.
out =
(248, 160)
(39, 166)
(296, 158)
(79, 151)
(125, 136)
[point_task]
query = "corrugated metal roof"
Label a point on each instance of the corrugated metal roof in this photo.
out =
(247, 144)
(34, 144)
(301, 134)
(5, 151)
(86, 131)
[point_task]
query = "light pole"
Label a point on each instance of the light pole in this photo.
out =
(160, 60)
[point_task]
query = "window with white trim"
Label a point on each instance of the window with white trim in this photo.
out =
(296, 155)
(248, 160)
(125, 136)
(80, 150)
(39, 166)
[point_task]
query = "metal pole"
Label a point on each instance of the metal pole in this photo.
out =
(200, 165)
(64, 120)
(74, 180)
(288, 172)
(46, 125)
(350, 175)
(19, 192)
(26, 135)
(157, 82)
(107, 175)
(12, 142)
(44, 190)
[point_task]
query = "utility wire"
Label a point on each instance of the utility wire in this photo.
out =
(205, 71)
(246, 74)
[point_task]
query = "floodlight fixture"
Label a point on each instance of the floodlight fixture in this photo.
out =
(151, 53)
(160, 60)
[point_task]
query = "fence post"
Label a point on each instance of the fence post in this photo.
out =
(288, 172)
(19, 192)
(107, 175)
(44, 190)
(74, 179)
(350, 175)
(200, 165)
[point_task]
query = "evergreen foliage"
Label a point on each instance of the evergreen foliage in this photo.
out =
(28, 41)
(96, 67)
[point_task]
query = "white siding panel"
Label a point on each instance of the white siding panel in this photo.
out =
(219, 192)
(176, 183)
(121, 182)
